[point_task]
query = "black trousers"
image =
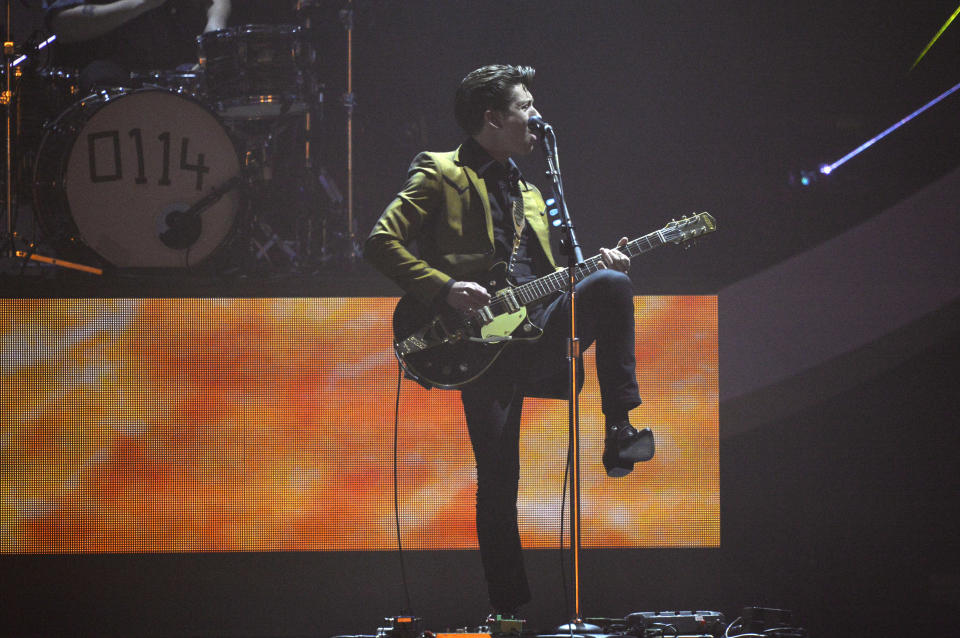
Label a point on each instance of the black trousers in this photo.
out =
(492, 406)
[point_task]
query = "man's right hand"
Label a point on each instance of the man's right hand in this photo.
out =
(467, 296)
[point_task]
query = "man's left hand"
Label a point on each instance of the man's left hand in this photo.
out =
(615, 259)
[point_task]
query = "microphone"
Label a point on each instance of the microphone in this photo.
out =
(537, 125)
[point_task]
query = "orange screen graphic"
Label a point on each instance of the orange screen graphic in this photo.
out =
(185, 425)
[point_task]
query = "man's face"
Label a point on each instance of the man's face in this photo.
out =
(511, 136)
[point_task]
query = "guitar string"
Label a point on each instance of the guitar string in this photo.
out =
(528, 292)
(531, 291)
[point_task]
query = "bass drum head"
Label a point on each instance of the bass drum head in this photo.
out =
(137, 163)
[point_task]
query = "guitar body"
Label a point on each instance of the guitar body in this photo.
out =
(450, 349)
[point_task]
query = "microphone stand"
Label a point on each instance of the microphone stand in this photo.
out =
(571, 248)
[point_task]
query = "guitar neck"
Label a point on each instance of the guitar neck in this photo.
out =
(547, 285)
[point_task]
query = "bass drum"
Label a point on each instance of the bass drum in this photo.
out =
(122, 171)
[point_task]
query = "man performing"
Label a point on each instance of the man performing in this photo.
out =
(107, 39)
(463, 208)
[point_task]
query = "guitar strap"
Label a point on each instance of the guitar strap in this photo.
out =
(519, 222)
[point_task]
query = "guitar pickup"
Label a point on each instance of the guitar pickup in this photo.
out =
(510, 300)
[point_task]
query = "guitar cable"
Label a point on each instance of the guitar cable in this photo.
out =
(396, 505)
(396, 492)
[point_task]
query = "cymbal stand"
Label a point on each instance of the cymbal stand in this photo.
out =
(7, 100)
(315, 224)
(338, 230)
(13, 67)
(347, 15)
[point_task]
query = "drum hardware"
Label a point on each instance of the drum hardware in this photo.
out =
(264, 215)
(307, 5)
(347, 15)
(183, 81)
(284, 221)
(14, 246)
(6, 99)
(183, 225)
(338, 230)
(267, 239)
(29, 255)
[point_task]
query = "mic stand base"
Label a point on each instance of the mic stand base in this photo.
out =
(579, 627)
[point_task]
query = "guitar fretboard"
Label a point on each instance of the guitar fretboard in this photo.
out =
(547, 285)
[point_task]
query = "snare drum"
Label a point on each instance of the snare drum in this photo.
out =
(253, 72)
(121, 169)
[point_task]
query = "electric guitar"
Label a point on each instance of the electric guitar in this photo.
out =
(450, 349)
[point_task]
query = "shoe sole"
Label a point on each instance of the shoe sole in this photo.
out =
(643, 449)
(617, 472)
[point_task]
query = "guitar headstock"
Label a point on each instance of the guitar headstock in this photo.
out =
(689, 227)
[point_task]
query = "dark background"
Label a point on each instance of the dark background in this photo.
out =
(839, 487)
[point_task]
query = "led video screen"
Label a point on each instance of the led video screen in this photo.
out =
(195, 425)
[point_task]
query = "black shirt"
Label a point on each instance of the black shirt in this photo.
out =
(503, 189)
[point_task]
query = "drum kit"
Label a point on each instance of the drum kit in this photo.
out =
(211, 166)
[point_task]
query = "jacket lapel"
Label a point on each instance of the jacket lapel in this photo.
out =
(474, 181)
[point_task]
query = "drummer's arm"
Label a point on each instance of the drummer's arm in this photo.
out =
(87, 21)
(217, 15)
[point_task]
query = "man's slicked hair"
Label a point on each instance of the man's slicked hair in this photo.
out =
(488, 87)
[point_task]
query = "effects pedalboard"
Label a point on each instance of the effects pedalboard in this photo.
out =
(412, 627)
(753, 621)
(673, 624)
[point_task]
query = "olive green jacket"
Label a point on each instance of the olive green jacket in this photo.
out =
(444, 207)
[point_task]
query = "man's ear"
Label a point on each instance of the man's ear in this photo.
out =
(493, 118)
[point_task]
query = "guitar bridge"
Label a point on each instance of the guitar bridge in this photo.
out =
(410, 345)
(431, 335)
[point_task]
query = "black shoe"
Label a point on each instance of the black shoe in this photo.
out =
(624, 446)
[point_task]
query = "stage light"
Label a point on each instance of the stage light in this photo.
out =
(827, 169)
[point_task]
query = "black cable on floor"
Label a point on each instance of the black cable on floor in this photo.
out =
(396, 493)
